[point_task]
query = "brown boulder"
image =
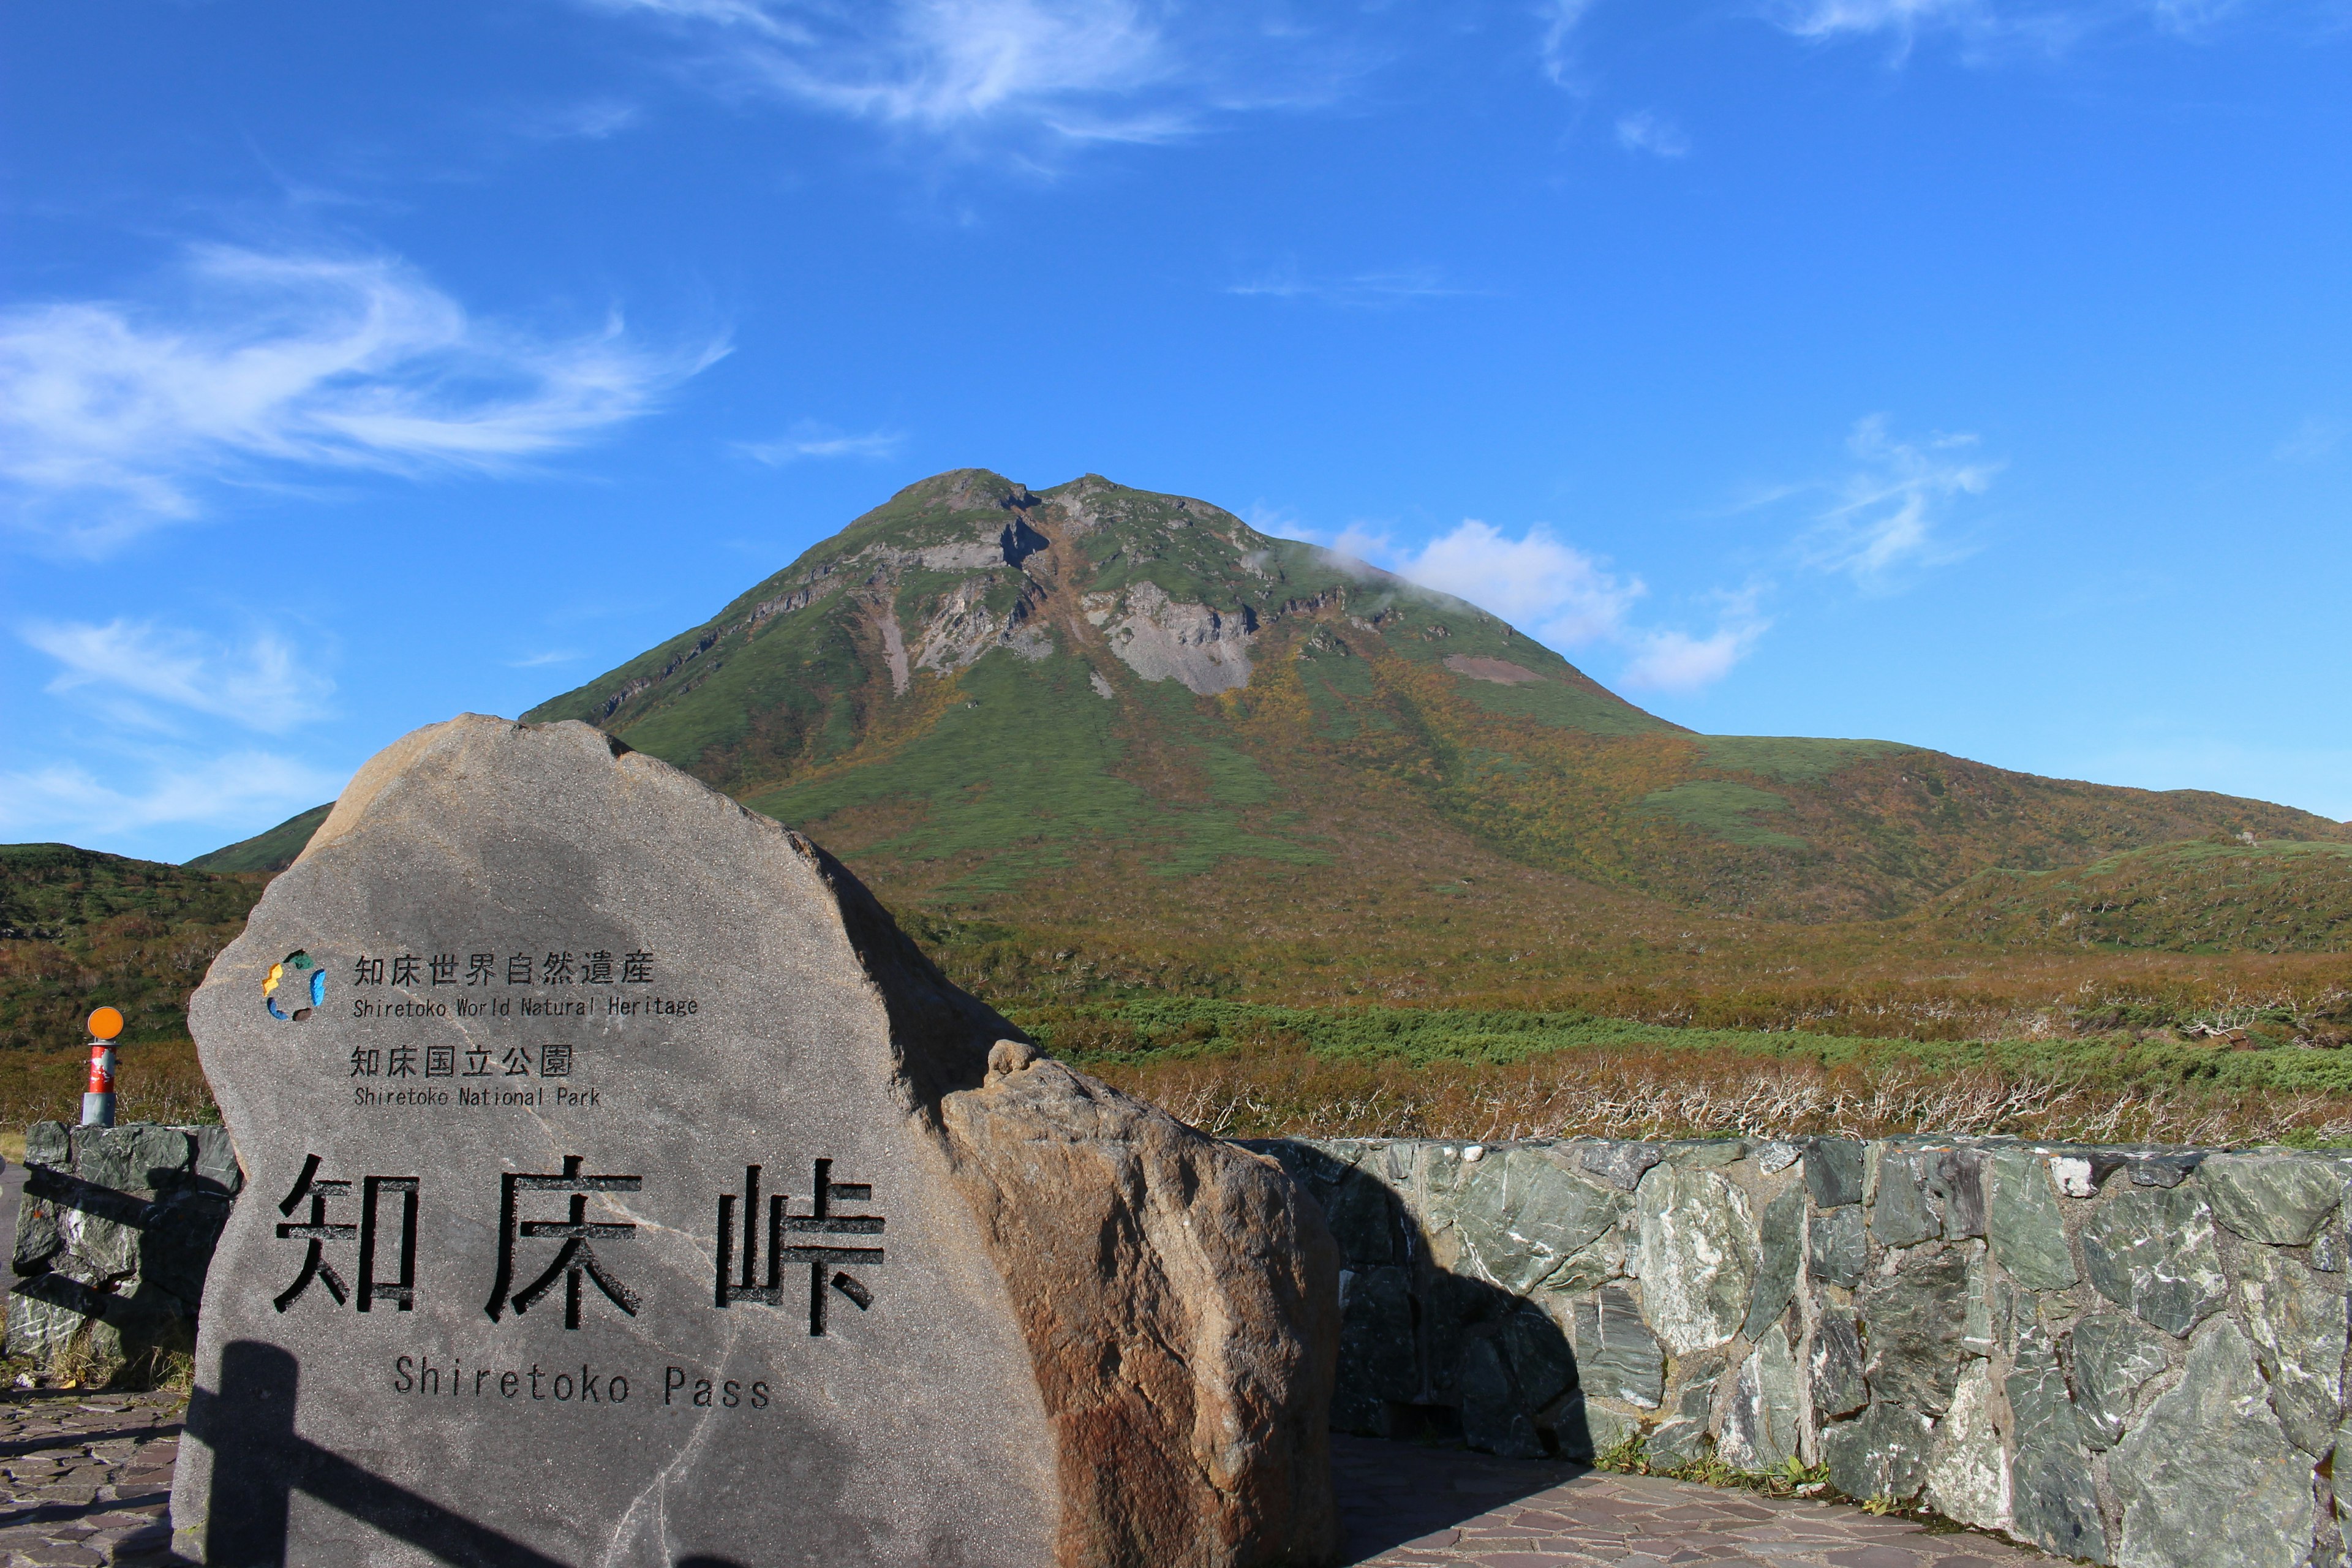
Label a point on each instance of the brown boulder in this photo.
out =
(1180, 1299)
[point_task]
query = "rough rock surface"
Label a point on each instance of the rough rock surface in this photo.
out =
(2152, 1250)
(1761, 1430)
(1833, 1171)
(2209, 1477)
(1914, 1322)
(1377, 1342)
(1959, 1186)
(2268, 1197)
(1495, 1419)
(1834, 1365)
(1176, 1294)
(2113, 1358)
(1967, 1476)
(1902, 1216)
(968, 1305)
(2029, 1238)
(113, 1235)
(2296, 1319)
(1780, 1248)
(1837, 1247)
(1519, 1230)
(1617, 1357)
(1685, 1436)
(1699, 1257)
(1882, 1453)
(2053, 1498)
(1159, 639)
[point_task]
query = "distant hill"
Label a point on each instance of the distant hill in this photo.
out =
(987, 697)
(77, 928)
(268, 852)
(2211, 896)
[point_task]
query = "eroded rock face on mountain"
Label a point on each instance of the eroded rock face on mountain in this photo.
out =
(1162, 640)
(634, 1189)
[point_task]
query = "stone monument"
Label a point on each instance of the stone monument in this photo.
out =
(623, 1188)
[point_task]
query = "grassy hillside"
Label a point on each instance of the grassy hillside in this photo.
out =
(2209, 896)
(269, 852)
(78, 928)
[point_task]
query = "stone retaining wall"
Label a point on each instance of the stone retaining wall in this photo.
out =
(2128, 1355)
(113, 1236)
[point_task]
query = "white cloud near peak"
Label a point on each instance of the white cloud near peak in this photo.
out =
(1551, 588)
(1565, 597)
(1676, 662)
(114, 416)
(262, 684)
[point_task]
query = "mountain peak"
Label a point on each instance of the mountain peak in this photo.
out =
(976, 684)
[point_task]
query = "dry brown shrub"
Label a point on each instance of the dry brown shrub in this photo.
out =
(153, 1083)
(1702, 1095)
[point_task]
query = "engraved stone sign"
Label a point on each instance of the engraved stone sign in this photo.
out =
(623, 1188)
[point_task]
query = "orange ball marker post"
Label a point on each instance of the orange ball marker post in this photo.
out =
(97, 1096)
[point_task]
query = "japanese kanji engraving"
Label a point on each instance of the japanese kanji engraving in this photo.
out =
(319, 1229)
(576, 1258)
(822, 1258)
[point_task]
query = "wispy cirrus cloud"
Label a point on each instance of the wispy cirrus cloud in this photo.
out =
(1890, 510)
(591, 119)
(115, 416)
(1076, 71)
(261, 684)
(806, 440)
(1557, 22)
(1986, 29)
(68, 802)
(1646, 131)
(2316, 437)
(1373, 290)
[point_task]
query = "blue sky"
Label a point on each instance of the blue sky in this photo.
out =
(1949, 370)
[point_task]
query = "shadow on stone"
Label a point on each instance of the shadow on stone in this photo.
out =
(1441, 1359)
(1392, 1494)
(251, 1416)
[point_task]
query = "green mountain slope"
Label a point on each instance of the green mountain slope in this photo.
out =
(979, 693)
(268, 852)
(2208, 896)
(77, 928)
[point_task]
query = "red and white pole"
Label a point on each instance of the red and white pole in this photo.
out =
(97, 1096)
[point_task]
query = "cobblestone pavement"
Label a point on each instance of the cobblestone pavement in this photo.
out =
(1408, 1504)
(88, 1481)
(87, 1477)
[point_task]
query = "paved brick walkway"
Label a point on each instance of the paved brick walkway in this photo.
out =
(1408, 1504)
(88, 1479)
